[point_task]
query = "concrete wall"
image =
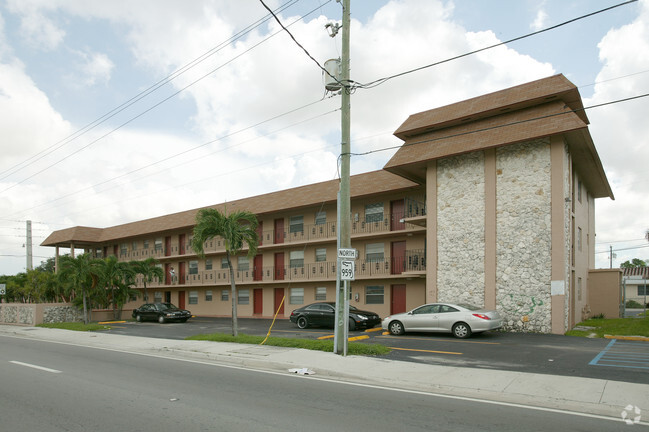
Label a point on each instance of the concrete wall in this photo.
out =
(33, 314)
(604, 292)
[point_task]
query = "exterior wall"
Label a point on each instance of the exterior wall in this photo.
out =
(460, 229)
(31, 314)
(604, 292)
(524, 235)
(581, 212)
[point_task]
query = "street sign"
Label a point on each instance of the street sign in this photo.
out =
(347, 253)
(347, 269)
(3, 289)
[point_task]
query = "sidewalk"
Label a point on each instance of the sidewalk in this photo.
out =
(585, 395)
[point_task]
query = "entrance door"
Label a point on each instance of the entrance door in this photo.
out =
(168, 276)
(168, 246)
(279, 266)
(397, 299)
(279, 296)
(279, 231)
(167, 296)
(258, 301)
(258, 269)
(181, 273)
(181, 299)
(397, 214)
(181, 244)
(260, 233)
(398, 257)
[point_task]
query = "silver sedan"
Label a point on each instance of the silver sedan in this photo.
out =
(460, 319)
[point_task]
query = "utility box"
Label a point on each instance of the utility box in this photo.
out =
(333, 67)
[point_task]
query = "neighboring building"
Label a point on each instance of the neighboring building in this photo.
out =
(489, 201)
(635, 282)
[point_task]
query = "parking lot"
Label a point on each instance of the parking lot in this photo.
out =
(538, 353)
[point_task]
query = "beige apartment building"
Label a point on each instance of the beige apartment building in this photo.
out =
(489, 201)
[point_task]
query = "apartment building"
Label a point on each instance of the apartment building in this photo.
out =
(489, 201)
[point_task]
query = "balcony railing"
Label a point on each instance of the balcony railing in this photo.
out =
(412, 262)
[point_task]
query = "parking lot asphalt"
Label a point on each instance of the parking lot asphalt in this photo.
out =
(519, 352)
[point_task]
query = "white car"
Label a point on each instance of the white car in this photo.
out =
(460, 319)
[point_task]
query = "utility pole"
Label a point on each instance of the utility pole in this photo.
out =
(344, 224)
(28, 246)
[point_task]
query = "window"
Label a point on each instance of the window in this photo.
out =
(157, 297)
(224, 263)
(642, 290)
(158, 244)
(193, 297)
(374, 252)
(373, 295)
(146, 244)
(579, 289)
(579, 239)
(321, 293)
(193, 267)
(123, 249)
(208, 295)
(296, 224)
(579, 190)
(243, 263)
(224, 295)
(208, 264)
(134, 246)
(243, 297)
(297, 296)
(296, 259)
(321, 218)
(374, 212)
(320, 254)
(99, 253)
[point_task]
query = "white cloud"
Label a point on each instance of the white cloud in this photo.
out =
(97, 68)
(540, 20)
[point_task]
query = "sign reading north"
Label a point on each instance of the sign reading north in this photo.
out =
(347, 253)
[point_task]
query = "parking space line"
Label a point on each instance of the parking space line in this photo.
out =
(624, 354)
(428, 351)
(388, 335)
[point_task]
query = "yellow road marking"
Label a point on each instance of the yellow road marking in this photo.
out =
(373, 330)
(428, 351)
(631, 338)
(111, 322)
(358, 338)
(325, 337)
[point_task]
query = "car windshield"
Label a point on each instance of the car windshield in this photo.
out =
(469, 306)
(165, 306)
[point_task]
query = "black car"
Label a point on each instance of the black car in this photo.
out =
(323, 314)
(161, 312)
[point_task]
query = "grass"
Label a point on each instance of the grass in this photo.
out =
(614, 326)
(353, 348)
(76, 326)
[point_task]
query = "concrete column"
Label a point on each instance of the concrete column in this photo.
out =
(431, 232)
(490, 228)
(558, 259)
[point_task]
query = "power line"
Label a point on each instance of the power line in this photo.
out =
(142, 94)
(623, 249)
(173, 95)
(383, 80)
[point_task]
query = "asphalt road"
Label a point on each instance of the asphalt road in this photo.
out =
(56, 387)
(537, 353)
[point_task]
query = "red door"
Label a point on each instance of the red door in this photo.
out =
(181, 299)
(398, 257)
(279, 297)
(260, 232)
(167, 246)
(167, 274)
(258, 301)
(397, 214)
(181, 273)
(115, 250)
(398, 299)
(279, 231)
(279, 266)
(181, 244)
(258, 268)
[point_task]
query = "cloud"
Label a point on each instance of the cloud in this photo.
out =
(540, 20)
(96, 68)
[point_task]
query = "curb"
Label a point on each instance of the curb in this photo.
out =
(630, 338)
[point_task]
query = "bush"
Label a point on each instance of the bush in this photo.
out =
(632, 304)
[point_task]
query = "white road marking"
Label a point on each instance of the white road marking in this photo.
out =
(35, 367)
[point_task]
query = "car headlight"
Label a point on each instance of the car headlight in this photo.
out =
(361, 317)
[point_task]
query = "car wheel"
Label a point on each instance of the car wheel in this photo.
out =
(461, 330)
(352, 324)
(396, 328)
(161, 319)
(138, 318)
(302, 322)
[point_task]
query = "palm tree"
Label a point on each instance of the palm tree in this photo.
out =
(148, 269)
(83, 273)
(236, 229)
(113, 275)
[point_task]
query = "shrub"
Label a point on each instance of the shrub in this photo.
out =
(632, 304)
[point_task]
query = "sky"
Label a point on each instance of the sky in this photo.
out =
(117, 111)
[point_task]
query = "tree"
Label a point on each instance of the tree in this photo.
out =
(236, 229)
(83, 273)
(114, 276)
(634, 263)
(148, 269)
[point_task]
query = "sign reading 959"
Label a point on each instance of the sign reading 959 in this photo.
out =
(347, 270)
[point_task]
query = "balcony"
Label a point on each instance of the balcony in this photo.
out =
(412, 264)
